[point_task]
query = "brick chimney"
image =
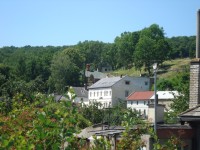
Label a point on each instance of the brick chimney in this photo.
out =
(88, 67)
(198, 35)
(195, 70)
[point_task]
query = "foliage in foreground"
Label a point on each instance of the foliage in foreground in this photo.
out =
(43, 124)
(180, 83)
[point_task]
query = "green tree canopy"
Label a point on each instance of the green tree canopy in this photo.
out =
(125, 47)
(65, 69)
(182, 46)
(92, 51)
(152, 47)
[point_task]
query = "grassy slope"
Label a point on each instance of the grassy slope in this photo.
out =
(169, 68)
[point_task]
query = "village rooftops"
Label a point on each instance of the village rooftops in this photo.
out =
(192, 114)
(80, 92)
(110, 81)
(141, 95)
(149, 95)
(166, 95)
(105, 82)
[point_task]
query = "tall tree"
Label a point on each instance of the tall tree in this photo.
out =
(4, 78)
(92, 51)
(152, 47)
(65, 69)
(125, 45)
(182, 46)
(108, 55)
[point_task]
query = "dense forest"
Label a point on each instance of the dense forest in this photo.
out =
(54, 68)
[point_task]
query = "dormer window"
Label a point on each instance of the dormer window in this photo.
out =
(127, 82)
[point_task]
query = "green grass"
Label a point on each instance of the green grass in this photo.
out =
(173, 67)
(168, 69)
(130, 72)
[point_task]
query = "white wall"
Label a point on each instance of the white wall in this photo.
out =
(159, 114)
(102, 95)
(140, 106)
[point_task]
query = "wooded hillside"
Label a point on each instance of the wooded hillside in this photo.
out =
(54, 68)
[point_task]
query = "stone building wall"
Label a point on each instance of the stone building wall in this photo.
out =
(194, 83)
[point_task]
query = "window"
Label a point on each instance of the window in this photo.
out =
(101, 93)
(144, 102)
(90, 94)
(110, 93)
(105, 93)
(127, 82)
(145, 83)
(137, 102)
(94, 94)
(126, 93)
(131, 103)
(97, 94)
(145, 112)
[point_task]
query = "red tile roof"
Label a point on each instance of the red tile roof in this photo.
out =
(143, 95)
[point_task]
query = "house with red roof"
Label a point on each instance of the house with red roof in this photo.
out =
(139, 101)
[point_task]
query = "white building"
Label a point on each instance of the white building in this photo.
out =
(139, 100)
(166, 98)
(109, 91)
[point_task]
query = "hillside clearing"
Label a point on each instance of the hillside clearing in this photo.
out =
(168, 68)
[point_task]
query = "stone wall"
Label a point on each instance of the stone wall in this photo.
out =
(194, 83)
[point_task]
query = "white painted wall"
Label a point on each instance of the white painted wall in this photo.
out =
(159, 114)
(140, 106)
(102, 95)
(166, 98)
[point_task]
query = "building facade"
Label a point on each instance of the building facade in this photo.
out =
(109, 91)
(140, 100)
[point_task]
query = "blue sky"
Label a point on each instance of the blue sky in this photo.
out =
(66, 22)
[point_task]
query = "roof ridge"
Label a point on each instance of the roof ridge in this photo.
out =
(188, 110)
